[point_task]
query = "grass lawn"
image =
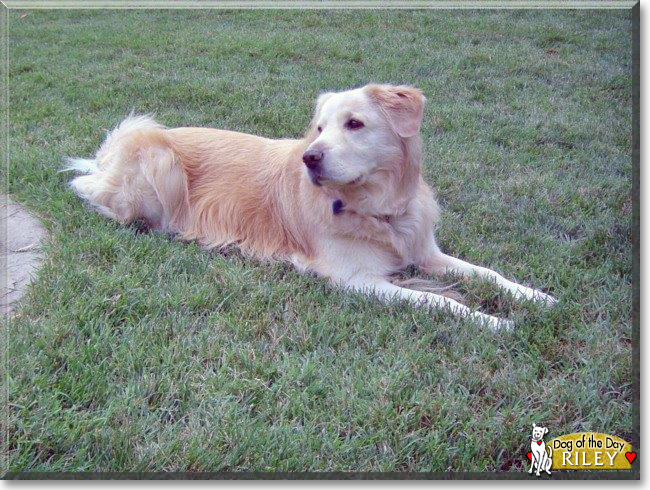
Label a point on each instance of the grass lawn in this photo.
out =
(134, 352)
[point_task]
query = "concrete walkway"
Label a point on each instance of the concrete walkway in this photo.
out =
(20, 249)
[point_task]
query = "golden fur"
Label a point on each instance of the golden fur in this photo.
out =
(222, 187)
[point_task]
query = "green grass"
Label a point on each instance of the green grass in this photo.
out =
(132, 351)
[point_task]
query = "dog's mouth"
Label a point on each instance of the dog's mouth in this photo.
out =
(315, 179)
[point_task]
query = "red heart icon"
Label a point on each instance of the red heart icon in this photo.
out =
(539, 443)
(529, 455)
(630, 457)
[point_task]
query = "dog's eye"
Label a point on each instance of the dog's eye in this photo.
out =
(320, 130)
(354, 124)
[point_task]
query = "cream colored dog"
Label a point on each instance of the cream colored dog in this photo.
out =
(347, 201)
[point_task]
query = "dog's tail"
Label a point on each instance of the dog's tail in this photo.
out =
(135, 174)
(111, 145)
(80, 165)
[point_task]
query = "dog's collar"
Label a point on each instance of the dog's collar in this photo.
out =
(384, 217)
(338, 207)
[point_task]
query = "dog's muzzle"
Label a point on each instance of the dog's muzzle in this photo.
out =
(312, 159)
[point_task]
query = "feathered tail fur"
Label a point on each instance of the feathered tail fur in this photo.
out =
(134, 175)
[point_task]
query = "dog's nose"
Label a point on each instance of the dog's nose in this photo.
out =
(312, 159)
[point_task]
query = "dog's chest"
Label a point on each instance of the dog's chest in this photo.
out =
(536, 447)
(401, 234)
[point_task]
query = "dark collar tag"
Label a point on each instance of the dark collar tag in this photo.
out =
(337, 206)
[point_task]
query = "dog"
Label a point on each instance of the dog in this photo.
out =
(539, 456)
(347, 201)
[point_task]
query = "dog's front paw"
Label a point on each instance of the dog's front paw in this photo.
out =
(537, 296)
(504, 325)
(546, 299)
(493, 323)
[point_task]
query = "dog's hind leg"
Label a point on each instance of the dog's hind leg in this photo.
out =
(162, 171)
(549, 460)
(91, 189)
(135, 175)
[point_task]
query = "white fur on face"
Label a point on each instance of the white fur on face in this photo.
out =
(538, 433)
(351, 155)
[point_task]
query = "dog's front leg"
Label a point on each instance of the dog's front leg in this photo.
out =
(439, 263)
(535, 464)
(386, 291)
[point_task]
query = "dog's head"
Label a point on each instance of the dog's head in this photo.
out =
(359, 133)
(539, 432)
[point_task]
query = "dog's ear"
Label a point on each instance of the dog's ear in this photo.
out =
(545, 430)
(534, 425)
(322, 98)
(403, 107)
(311, 129)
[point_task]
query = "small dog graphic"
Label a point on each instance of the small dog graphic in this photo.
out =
(538, 453)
